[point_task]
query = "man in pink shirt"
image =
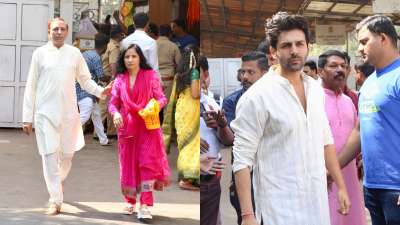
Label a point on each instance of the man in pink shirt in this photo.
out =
(342, 116)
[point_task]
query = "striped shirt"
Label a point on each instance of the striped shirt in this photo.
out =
(285, 148)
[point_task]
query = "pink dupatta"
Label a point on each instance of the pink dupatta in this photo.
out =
(136, 99)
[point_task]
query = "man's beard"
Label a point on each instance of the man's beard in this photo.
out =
(293, 67)
(246, 85)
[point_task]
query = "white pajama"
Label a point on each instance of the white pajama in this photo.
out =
(56, 167)
(87, 108)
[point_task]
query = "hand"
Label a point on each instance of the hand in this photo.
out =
(217, 166)
(107, 90)
(204, 146)
(116, 15)
(118, 122)
(344, 201)
(210, 165)
(249, 220)
(27, 128)
(221, 119)
(210, 119)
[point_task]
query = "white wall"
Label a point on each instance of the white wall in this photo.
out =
(223, 73)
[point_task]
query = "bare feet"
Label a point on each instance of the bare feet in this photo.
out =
(53, 209)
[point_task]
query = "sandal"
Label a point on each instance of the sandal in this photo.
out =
(128, 210)
(187, 185)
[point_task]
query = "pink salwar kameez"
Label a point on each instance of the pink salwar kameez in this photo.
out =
(143, 162)
(342, 116)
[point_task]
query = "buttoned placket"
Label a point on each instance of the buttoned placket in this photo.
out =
(289, 87)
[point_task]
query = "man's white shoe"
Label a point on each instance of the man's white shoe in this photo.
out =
(144, 214)
(106, 143)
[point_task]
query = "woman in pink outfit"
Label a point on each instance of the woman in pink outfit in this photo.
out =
(143, 162)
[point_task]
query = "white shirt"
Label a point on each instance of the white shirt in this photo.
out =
(147, 44)
(50, 97)
(285, 148)
(209, 134)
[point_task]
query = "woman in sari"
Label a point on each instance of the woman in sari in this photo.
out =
(183, 112)
(143, 162)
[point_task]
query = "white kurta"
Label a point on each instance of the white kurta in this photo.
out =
(285, 147)
(50, 99)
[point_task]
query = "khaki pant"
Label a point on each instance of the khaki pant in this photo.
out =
(105, 115)
(167, 82)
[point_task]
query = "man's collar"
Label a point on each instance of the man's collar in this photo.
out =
(51, 45)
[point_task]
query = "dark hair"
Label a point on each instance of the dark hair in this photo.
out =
(323, 58)
(347, 57)
(379, 24)
(180, 23)
(104, 28)
(263, 47)
(153, 28)
(282, 21)
(183, 69)
(131, 29)
(311, 63)
(107, 19)
(100, 40)
(115, 31)
(141, 19)
(261, 58)
(365, 68)
(143, 62)
(165, 30)
(203, 62)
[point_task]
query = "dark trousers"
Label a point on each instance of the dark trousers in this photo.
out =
(234, 198)
(210, 194)
(382, 205)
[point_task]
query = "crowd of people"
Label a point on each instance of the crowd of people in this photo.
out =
(137, 88)
(302, 141)
(298, 133)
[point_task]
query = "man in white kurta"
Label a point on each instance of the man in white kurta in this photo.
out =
(50, 104)
(285, 146)
(282, 134)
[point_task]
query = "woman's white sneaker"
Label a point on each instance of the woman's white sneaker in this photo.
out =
(144, 214)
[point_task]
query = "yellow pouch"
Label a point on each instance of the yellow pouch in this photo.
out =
(150, 115)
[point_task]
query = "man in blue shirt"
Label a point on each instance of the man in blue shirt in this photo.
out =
(378, 130)
(87, 103)
(181, 38)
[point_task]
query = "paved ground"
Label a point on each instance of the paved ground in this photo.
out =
(92, 193)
